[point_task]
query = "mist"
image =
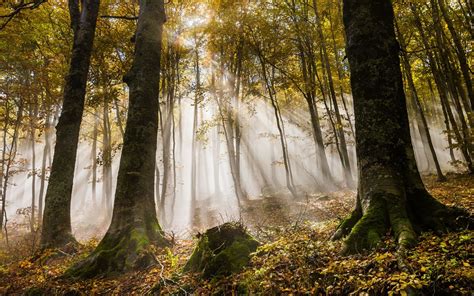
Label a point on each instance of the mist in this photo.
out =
(262, 170)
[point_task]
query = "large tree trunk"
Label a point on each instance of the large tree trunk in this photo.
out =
(391, 194)
(57, 217)
(134, 224)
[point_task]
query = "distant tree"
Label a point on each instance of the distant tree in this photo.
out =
(391, 193)
(134, 224)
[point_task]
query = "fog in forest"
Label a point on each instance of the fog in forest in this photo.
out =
(262, 169)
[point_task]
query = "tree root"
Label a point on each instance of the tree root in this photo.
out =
(368, 230)
(118, 252)
(423, 213)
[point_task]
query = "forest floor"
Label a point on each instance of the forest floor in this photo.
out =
(296, 257)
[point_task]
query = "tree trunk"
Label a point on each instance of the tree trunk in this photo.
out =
(226, 117)
(167, 133)
(216, 161)
(391, 194)
(442, 89)
(6, 126)
(106, 162)
(47, 148)
(339, 71)
(33, 113)
(95, 134)
(134, 224)
(280, 125)
(11, 157)
(418, 107)
(57, 217)
(460, 52)
(194, 146)
(308, 67)
(338, 122)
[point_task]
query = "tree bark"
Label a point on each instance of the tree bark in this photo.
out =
(194, 145)
(391, 194)
(57, 217)
(106, 161)
(47, 148)
(134, 225)
(33, 113)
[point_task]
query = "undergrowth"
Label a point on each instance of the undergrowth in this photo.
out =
(295, 259)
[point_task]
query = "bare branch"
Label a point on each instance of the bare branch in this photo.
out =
(121, 17)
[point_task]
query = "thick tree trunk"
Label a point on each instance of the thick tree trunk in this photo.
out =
(391, 194)
(57, 217)
(134, 224)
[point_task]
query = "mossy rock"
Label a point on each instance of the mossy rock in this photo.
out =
(222, 250)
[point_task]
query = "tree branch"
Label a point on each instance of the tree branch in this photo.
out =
(18, 8)
(121, 17)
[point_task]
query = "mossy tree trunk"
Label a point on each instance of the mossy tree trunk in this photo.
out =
(391, 194)
(57, 217)
(134, 224)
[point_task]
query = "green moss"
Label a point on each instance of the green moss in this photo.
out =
(222, 250)
(116, 253)
(347, 224)
(368, 231)
(373, 238)
(140, 238)
(35, 291)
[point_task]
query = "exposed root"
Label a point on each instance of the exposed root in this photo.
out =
(369, 229)
(65, 242)
(390, 213)
(118, 252)
(347, 224)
